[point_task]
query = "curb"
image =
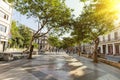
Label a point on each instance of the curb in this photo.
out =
(112, 63)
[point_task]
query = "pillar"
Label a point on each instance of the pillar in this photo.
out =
(106, 48)
(101, 49)
(113, 49)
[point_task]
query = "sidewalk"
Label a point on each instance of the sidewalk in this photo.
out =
(59, 66)
(113, 58)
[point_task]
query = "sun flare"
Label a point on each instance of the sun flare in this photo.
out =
(109, 6)
(115, 5)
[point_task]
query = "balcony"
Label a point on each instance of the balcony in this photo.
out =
(5, 6)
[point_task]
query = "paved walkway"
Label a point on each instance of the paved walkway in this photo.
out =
(58, 66)
(113, 58)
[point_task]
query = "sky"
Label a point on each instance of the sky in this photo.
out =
(30, 22)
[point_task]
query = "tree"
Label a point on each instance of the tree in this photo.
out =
(67, 42)
(54, 41)
(16, 39)
(97, 20)
(51, 14)
(26, 33)
(10, 1)
(79, 32)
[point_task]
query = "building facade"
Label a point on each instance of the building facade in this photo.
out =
(43, 43)
(5, 24)
(110, 43)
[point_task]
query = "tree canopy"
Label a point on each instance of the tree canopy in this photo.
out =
(97, 19)
(16, 38)
(49, 13)
(26, 33)
(52, 15)
(21, 35)
(67, 42)
(54, 41)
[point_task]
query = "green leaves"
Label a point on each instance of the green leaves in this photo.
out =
(10, 1)
(16, 39)
(21, 35)
(95, 20)
(26, 33)
(83, 0)
(68, 42)
(54, 13)
(54, 41)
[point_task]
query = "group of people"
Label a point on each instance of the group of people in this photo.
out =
(55, 49)
(74, 50)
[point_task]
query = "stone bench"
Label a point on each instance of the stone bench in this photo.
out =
(7, 56)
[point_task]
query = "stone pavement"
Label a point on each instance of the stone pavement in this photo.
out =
(58, 66)
(113, 58)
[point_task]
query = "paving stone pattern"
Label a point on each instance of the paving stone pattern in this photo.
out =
(57, 66)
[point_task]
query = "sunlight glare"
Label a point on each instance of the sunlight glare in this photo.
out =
(75, 64)
(9, 79)
(78, 72)
(115, 5)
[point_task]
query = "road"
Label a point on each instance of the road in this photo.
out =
(57, 66)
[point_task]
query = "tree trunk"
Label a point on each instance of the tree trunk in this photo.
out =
(95, 58)
(31, 48)
(79, 49)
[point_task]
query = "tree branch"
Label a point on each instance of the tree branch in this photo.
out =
(44, 22)
(44, 33)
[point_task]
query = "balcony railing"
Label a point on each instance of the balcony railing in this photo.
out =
(111, 40)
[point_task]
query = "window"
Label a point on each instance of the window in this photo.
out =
(3, 28)
(116, 35)
(109, 37)
(3, 15)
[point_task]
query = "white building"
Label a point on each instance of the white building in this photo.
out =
(110, 43)
(5, 23)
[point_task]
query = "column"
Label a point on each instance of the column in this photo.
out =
(106, 48)
(113, 48)
(101, 49)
